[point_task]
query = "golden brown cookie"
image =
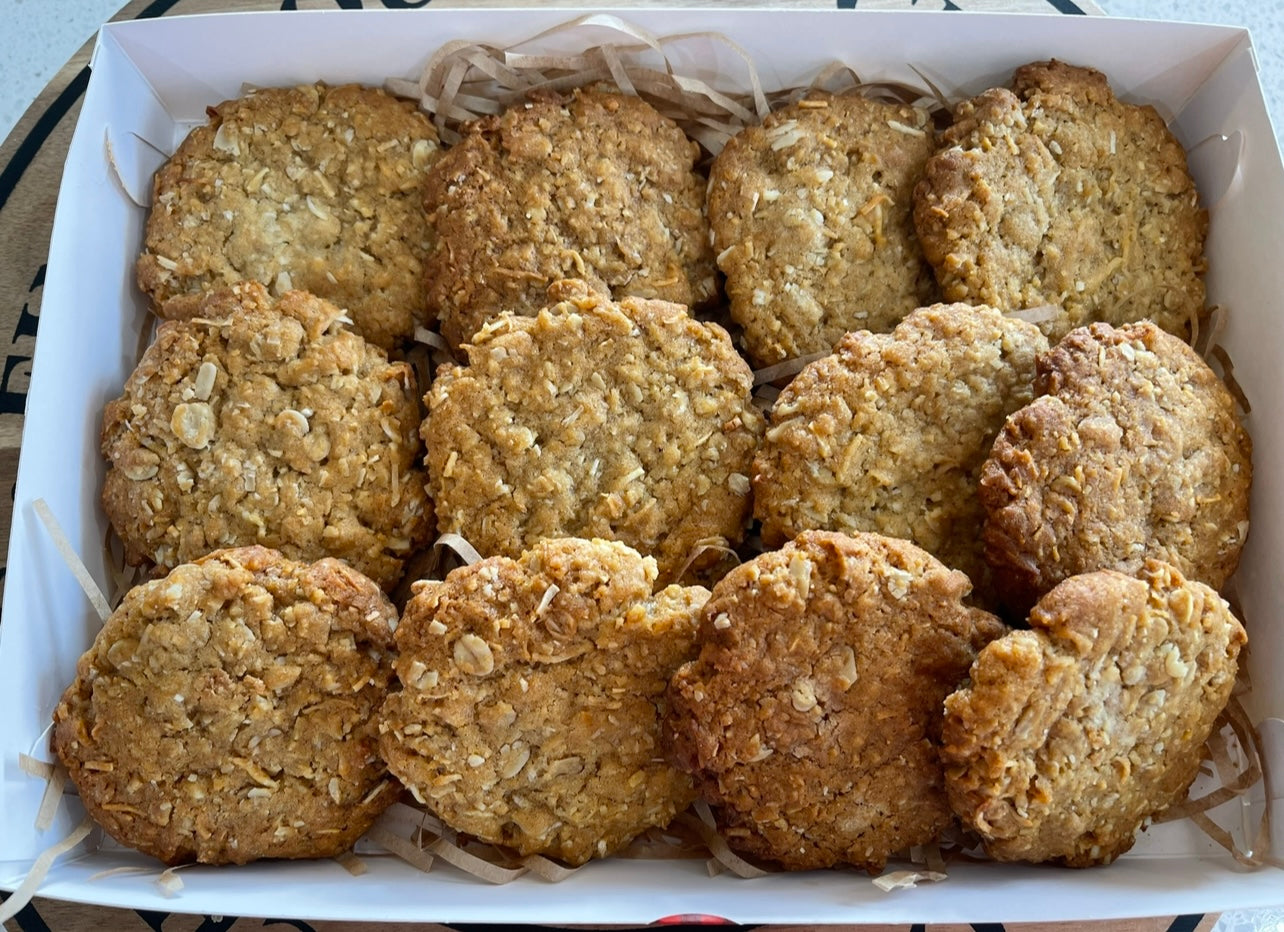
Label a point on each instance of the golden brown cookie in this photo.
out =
(629, 421)
(1058, 193)
(532, 695)
(316, 188)
(597, 186)
(888, 434)
(1134, 449)
(1071, 735)
(226, 712)
(811, 220)
(812, 716)
(266, 421)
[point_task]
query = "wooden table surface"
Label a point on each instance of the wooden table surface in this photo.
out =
(30, 166)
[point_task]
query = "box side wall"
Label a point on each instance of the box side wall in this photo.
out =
(642, 892)
(193, 61)
(89, 329)
(1246, 278)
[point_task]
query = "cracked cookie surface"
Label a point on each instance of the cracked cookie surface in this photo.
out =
(811, 220)
(532, 691)
(1070, 735)
(629, 421)
(266, 421)
(811, 718)
(1132, 449)
(889, 433)
(597, 186)
(1058, 193)
(313, 188)
(225, 712)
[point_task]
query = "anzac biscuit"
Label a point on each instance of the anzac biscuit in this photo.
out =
(811, 222)
(316, 188)
(532, 695)
(597, 186)
(1070, 735)
(889, 433)
(226, 712)
(628, 421)
(812, 716)
(1134, 449)
(1058, 193)
(266, 421)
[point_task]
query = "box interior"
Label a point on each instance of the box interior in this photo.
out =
(152, 80)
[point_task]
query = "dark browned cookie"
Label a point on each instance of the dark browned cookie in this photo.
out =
(1057, 193)
(597, 186)
(1069, 736)
(1134, 449)
(811, 222)
(316, 188)
(532, 695)
(889, 433)
(629, 421)
(225, 713)
(812, 716)
(266, 421)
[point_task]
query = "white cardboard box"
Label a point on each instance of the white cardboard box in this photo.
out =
(153, 79)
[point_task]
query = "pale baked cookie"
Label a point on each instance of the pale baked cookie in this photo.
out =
(888, 434)
(266, 421)
(316, 188)
(532, 691)
(629, 421)
(226, 712)
(1072, 734)
(1134, 449)
(812, 717)
(1057, 193)
(597, 186)
(811, 220)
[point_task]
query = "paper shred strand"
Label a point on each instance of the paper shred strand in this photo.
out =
(40, 869)
(470, 863)
(352, 864)
(701, 547)
(54, 788)
(611, 58)
(123, 577)
(717, 845)
(403, 848)
(127, 870)
(55, 777)
(113, 169)
(463, 81)
(548, 870)
(1218, 352)
(435, 340)
(1234, 784)
(40, 769)
(764, 397)
(68, 554)
(935, 861)
(466, 551)
(1037, 314)
(169, 883)
(906, 880)
(941, 98)
(1206, 330)
(785, 369)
